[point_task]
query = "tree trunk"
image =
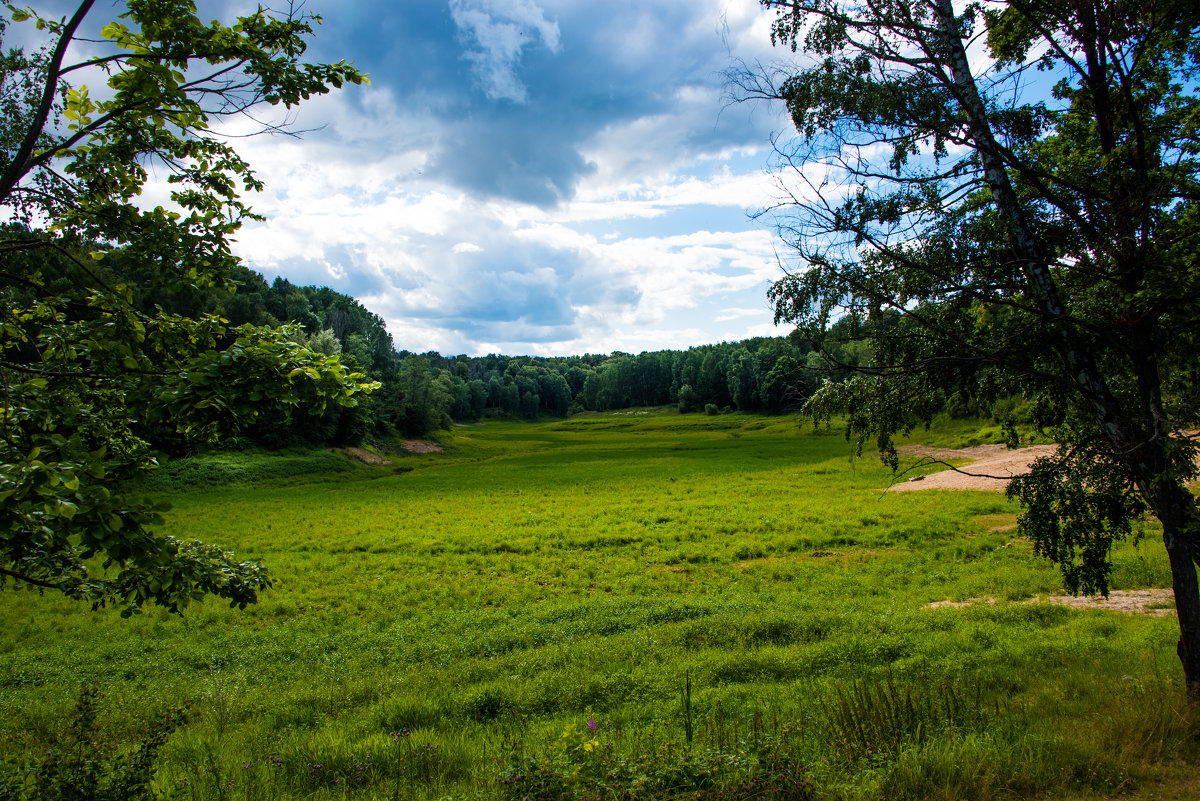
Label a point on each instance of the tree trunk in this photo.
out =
(1176, 509)
(1187, 606)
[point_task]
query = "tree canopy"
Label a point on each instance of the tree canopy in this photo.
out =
(92, 367)
(1002, 199)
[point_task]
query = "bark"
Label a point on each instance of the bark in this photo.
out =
(1176, 509)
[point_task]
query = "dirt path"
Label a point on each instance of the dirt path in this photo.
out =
(991, 466)
(1155, 602)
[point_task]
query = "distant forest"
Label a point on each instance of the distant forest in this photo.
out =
(424, 392)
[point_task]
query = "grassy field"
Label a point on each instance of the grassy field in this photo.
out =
(629, 604)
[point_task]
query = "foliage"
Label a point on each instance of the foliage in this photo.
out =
(93, 375)
(988, 234)
(687, 399)
(583, 764)
(86, 768)
(420, 393)
(761, 374)
(249, 468)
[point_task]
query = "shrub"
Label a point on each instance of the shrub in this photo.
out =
(583, 763)
(1013, 409)
(248, 468)
(85, 767)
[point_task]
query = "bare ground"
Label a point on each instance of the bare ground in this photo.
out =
(363, 455)
(990, 468)
(410, 445)
(1154, 602)
(419, 446)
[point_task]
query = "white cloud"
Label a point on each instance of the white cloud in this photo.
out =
(651, 251)
(498, 31)
(617, 290)
(423, 255)
(736, 314)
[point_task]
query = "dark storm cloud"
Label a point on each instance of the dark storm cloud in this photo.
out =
(516, 89)
(503, 159)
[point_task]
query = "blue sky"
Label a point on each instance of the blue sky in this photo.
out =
(529, 176)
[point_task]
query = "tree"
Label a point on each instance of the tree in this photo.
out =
(419, 405)
(88, 373)
(687, 399)
(1005, 202)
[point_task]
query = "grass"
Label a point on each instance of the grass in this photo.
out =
(439, 631)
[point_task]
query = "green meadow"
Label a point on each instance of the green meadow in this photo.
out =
(630, 605)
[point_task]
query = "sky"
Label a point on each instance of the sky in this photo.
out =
(529, 177)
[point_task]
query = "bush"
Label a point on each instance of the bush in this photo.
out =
(688, 402)
(86, 767)
(1013, 409)
(218, 470)
(711, 409)
(583, 764)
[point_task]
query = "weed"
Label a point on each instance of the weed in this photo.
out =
(876, 719)
(85, 767)
(583, 764)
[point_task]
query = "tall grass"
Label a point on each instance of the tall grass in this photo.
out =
(436, 630)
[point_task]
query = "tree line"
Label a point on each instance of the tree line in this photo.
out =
(418, 393)
(423, 392)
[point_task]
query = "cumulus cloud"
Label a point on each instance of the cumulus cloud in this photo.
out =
(604, 211)
(497, 33)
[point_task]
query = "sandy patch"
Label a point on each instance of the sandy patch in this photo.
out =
(990, 466)
(418, 446)
(364, 455)
(1146, 602)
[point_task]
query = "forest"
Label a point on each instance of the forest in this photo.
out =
(424, 392)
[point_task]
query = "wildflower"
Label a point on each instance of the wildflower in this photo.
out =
(592, 725)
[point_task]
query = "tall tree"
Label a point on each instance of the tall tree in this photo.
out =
(86, 370)
(1000, 201)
